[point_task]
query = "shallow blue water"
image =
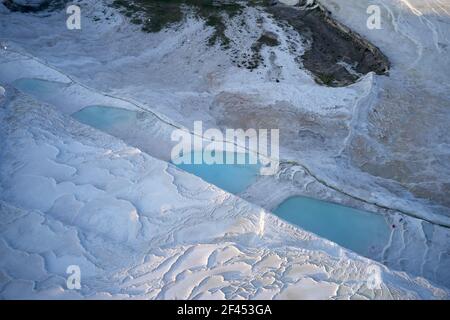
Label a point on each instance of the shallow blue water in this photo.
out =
(38, 87)
(106, 118)
(233, 178)
(360, 231)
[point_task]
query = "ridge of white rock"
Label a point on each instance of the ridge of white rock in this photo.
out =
(140, 228)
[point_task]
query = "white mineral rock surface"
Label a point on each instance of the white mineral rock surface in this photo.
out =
(140, 228)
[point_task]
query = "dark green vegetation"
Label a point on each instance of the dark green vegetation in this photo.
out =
(155, 15)
(333, 48)
(267, 39)
(45, 5)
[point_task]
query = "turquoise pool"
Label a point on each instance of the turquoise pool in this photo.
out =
(106, 118)
(233, 178)
(39, 88)
(360, 231)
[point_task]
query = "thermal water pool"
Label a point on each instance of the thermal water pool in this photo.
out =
(41, 89)
(106, 118)
(233, 177)
(360, 231)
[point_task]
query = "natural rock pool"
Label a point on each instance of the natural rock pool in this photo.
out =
(39, 88)
(233, 178)
(360, 231)
(106, 118)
